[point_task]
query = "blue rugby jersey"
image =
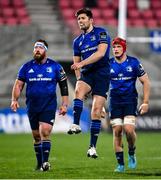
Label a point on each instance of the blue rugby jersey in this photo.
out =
(123, 78)
(41, 81)
(87, 44)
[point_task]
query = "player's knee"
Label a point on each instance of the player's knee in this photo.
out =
(96, 113)
(37, 138)
(45, 134)
(129, 120)
(118, 134)
(116, 122)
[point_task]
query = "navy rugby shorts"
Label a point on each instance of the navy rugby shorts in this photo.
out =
(36, 117)
(98, 81)
(122, 110)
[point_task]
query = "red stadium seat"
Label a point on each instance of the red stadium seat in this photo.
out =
(96, 13)
(108, 13)
(4, 3)
(131, 4)
(137, 22)
(71, 22)
(99, 21)
(8, 12)
(147, 14)
(68, 13)
(115, 4)
(24, 20)
(134, 13)
(111, 22)
(22, 12)
(155, 4)
(103, 4)
(63, 4)
(1, 21)
(77, 4)
(151, 23)
(18, 3)
(11, 21)
(157, 13)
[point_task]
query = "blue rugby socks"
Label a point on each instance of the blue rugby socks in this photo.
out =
(38, 151)
(46, 146)
(95, 130)
(131, 150)
(120, 157)
(77, 110)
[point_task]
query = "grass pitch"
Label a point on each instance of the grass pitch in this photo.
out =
(69, 161)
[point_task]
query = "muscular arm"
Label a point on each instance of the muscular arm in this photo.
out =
(146, 93)
(77, 59)
(97, 55)
(93, 58)
(64, 95)
(16, 91)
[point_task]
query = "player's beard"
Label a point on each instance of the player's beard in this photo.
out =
(39, 57)
(84, 27)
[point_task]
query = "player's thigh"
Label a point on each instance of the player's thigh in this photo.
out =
(129, 123)
(130, 109)
(36, 136)
(100, 85)
(47, 117)
(130, 113)
(33, 120)
(115, 111)
(81, 89)
(46, 121)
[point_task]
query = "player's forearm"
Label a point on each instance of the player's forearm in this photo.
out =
(146, 92)
(77, 74)
(16, 92)
(93, 58)
(65, 101)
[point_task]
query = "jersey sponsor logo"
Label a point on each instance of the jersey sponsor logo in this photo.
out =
(120, 75)
(93, 38)
(103, 35)
(121, 78)
(49, 69)
(87, 46)
(129, 69)
(31, 71)
(89, 49)
(40, 79)
(40, 75)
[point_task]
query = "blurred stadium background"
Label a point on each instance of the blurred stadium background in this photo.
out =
(24, 21)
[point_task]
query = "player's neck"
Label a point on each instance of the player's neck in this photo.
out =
(42, 61)
(121, 59)
(89, 29)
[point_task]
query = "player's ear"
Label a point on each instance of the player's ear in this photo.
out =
(91, 20)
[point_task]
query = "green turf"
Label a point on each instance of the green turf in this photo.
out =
(68, 158)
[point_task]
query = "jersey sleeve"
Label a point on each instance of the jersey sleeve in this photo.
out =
(103, 36)
(140, 69)
(61, 73)
(76, 51)
(22, 73)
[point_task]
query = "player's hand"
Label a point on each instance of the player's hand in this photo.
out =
(14, 105)
(77, 66)
(144, 108)
(62, 110)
